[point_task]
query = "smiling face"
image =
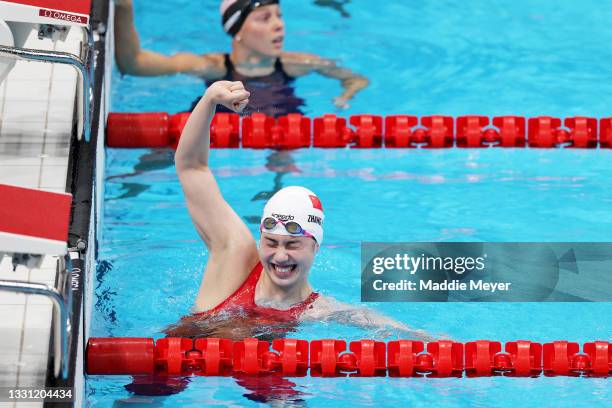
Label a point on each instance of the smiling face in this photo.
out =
(286, 259)
(264, 31)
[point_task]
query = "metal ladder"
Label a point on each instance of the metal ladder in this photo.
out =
(62, 304)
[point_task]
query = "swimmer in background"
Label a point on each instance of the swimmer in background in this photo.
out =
(257, 58)
(255, 286)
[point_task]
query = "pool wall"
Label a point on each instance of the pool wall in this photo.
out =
(86, 182)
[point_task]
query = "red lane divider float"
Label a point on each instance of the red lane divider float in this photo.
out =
(293, 131)
(330, 358)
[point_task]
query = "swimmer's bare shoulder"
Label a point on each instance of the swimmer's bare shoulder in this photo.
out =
(210, 66)
(328, 309)
(320, 309)
(297, 64)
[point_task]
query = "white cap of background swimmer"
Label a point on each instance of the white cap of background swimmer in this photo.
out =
(292, 205)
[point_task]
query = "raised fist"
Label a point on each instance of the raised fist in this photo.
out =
(232, 95)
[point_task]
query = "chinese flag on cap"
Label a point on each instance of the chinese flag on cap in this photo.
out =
(316, 203)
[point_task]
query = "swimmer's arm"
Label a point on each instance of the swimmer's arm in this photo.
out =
(299, 64)
(133, 60)
(232, 248)
(329, 309)
(215, 220)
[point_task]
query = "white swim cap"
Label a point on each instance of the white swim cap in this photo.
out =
(298, 205)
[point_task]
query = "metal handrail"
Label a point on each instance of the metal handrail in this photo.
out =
(61, 309)
(83, 70)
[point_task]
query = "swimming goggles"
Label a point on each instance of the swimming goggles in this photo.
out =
(292, 227)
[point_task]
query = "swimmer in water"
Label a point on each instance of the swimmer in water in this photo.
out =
(257, 58)
(262, 285)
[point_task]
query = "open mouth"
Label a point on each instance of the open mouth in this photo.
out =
(283, 271)
(278, 41)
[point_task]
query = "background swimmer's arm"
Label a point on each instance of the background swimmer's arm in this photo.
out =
(299, 64)
(329, 309)
(232, 249)
(133, 60)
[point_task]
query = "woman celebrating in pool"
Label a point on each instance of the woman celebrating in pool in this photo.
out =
(262, 285)
(257, 58)
(237, 275)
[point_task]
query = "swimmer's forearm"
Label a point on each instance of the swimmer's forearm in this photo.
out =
(194, 146)
(353, 85)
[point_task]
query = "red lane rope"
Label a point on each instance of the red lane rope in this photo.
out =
(258, 131)
(330, 358)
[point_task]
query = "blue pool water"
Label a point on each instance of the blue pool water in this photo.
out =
(429, 57)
